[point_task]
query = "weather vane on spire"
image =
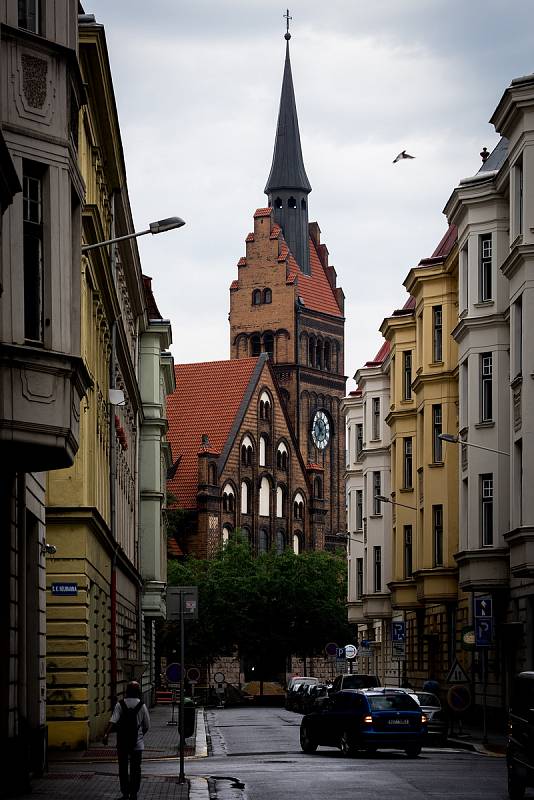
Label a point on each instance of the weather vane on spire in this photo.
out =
(287, 18)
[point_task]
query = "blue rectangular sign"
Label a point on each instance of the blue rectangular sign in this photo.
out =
(398, 631)
(483, 631)
(483, 606)
(64, 589)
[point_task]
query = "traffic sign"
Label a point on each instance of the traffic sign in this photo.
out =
(459, 698)
(331, 649)
(483, 621)
(398, 631)
(350, 651)
(457, 674)
(182, 599)
(219, 677)
(193, 674)
(398, 651)
(467, 637)
(174, 673)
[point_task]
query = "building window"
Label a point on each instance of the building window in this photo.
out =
(408, 553)
(268, 344)
(484, 270)
(256, 297)
(486, 387)
(518, 337)
(407, 441)
(264, 450)
(245, 498)
(282, 457)
(246, 453)
(437, 527)
(255, 345)
(359, 509)
(437, 429)
(318, 488)
(280, 542)
(33, 253)
(407, 374)
(377, 490)
(486, 499)
(265, 406)
(228, 499)
(29, 15)
(298, 506)
(359, 578)
(267, 296)
(376, 418)
(264, 497)
(311, 352)
(377, 564)
(437, 333)
(518, 179)
(359, 440)
(280, 501)
(464, 279)
(263, 541)
(297, 543)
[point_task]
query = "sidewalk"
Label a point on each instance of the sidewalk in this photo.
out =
(64, 781)
(471, 738)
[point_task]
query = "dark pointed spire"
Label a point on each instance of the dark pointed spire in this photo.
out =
(287, 170)
(288, 185)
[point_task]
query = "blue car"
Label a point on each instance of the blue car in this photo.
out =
(366, 719)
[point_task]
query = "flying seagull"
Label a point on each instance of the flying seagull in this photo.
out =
(402, 155)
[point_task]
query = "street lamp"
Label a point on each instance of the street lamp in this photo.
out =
(347, 536)
(160, 226)
(384, 499)
(450, 437)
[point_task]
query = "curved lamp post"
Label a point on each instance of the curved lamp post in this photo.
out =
(160, 226)
(454, 439)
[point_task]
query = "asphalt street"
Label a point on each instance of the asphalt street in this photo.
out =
(254, 754)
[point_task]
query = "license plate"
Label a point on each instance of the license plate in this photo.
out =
(398, 722)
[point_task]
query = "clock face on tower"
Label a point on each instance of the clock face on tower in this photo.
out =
(320, 430)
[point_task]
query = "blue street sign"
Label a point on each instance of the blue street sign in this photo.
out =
(483, 606)
(484, 631)
(398, 631)
(64, 589)
(340, 652)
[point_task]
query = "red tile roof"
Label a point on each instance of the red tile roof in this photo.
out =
(234, 285)
(447, 243)
(173, 548)
(380, 356)
(242, 262)
(409, 304)
(250, 237)
(315, 289)
(262, 212)
(314, 467)
(275, 231)
(206, 401)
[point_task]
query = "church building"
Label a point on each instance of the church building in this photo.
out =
(258, 441)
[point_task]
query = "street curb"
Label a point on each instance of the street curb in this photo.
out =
(198, 789)
(474, 747)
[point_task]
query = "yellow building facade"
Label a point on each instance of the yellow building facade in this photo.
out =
(93, 582)
(424, 477)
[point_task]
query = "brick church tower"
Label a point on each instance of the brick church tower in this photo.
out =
(285, 302)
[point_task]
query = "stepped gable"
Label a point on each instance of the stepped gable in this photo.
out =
(206, 401)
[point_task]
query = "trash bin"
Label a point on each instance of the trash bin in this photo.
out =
(189, 717)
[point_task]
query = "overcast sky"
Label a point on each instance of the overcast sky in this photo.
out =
(197, 84)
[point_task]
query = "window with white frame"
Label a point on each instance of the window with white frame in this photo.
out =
(359, 439)
(437, 531)
(464, 278)
(245, 498)
(376, 418)
(437, 333)
(377, 569)
(263, 450)
(377, 490)
(486, 503)
(486, 387)
(408, 462)
(280, 501)
(437, 430)
(33, 252)
(485, 248)
(359, 509)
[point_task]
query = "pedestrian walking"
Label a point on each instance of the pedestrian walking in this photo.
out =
(130, 720)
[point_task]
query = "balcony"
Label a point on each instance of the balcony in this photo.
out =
(355, 612)
(484, 569)
(403, 594)
(40, 394)
(521, 543)
(377, 606)
(437, 585)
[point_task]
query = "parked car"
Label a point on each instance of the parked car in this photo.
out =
(314, 697)
(520, 750)
(437, 719)
(366, 719)
(354, 680)
(293, 687)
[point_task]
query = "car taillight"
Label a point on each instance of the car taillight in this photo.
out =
(368, 719)
(424, 719)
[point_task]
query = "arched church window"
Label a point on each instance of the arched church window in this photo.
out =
(280, 542)
(311, 352)
(319, 355)
(326, 356)
(265, 488)
(291, 203)
(282, 457)
(298, 506)
(256, 297)
(264, 450)
(303, 204)
(278, 203)
(245, 497)
(263, 541)
(280, 501)
(255, 345)
(298, 542)
(228, 498)
(268, 344)
(265, 406)
(226, 531)
(318, 488)
(267, 296)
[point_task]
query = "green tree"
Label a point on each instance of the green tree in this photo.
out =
(283, 603)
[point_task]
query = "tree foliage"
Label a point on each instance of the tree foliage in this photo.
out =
(284, 603)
